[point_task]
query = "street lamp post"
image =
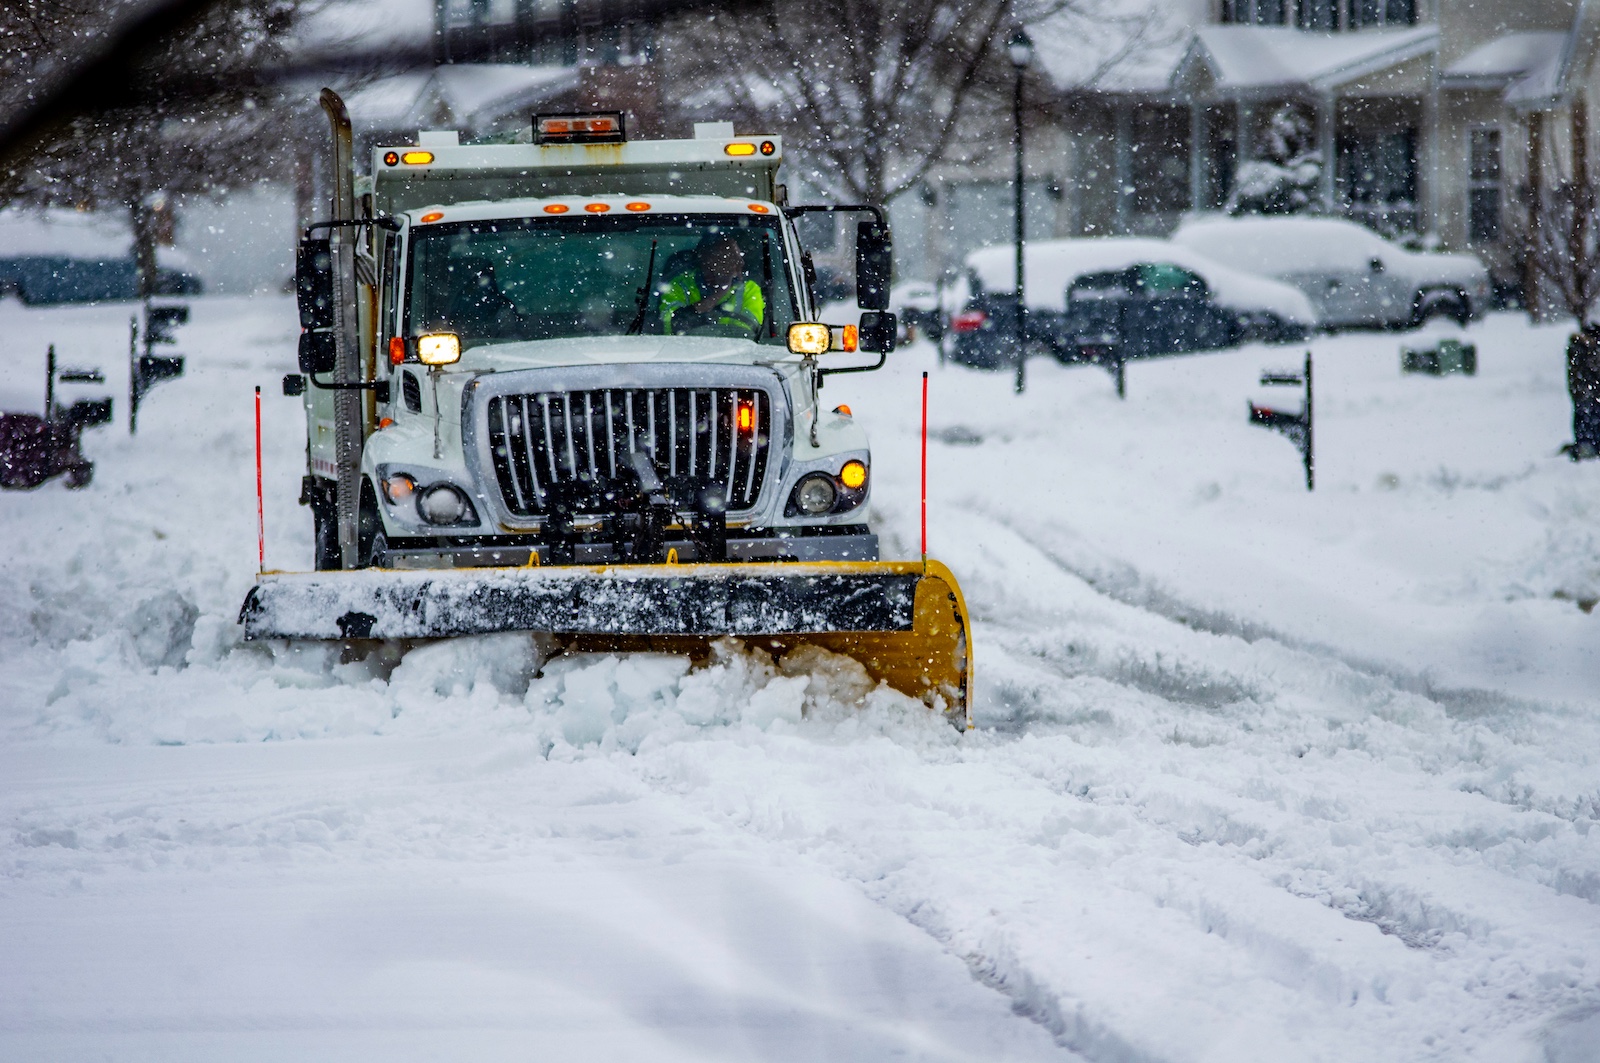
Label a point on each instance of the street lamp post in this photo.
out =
(1020, 47)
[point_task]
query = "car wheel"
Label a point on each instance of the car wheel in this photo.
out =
(1431, 304)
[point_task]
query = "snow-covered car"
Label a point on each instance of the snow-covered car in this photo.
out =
(1201, 303)
(1353, 276)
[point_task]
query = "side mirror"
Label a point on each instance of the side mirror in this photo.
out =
(317, 352)
(313, 280)
(877, 333)
(873, 263)
(1376, 265)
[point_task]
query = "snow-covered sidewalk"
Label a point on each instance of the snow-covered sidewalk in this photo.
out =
(1259, 774)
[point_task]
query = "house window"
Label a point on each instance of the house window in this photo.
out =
(1317, 14)
(1378, 169)
(1483, 187)
(1254, 12)
(1159, 163)
(1364, 13)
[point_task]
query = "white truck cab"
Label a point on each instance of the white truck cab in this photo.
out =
(583, 350)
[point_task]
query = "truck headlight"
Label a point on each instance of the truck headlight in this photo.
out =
(815, 495)
(445, 504)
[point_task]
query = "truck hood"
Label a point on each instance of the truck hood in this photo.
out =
(616, 350)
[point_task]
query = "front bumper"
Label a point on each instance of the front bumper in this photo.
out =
(862, 546)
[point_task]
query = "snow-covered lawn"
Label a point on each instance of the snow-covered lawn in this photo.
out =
(1260, 774)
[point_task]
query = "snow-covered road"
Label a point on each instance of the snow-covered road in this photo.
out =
(1260, 775)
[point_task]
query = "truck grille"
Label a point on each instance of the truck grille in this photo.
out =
(582, 439)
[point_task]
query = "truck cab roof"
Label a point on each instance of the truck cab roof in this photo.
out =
(577, 206)
(440, 171)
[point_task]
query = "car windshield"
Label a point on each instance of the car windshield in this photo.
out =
(536, 279)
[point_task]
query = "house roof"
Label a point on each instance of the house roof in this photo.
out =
(1510, 56)
(1240, 58)
(1551, 81)
(468, 95)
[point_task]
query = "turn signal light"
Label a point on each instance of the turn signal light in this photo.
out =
(397, 350)
(810, 338)
(849, 338)
(747, 417)
(740, 149)
(417, 158)
(441, 348)
(853, 475)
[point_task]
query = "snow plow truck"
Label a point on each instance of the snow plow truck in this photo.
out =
(572, 387)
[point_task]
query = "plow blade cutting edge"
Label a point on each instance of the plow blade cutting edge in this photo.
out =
(905, 621)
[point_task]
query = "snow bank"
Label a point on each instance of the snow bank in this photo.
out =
(1258, 773)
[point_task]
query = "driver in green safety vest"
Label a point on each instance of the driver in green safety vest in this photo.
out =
(715, 293)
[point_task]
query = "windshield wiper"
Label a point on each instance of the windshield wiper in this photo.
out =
(644, 294)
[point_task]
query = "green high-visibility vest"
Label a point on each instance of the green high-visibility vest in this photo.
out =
(744, 306)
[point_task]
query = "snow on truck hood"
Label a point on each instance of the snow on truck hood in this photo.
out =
(616, 350)
(1052, 265)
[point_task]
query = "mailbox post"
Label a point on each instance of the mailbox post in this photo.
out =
(1296, 426)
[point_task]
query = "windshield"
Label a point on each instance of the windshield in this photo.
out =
(538, 279)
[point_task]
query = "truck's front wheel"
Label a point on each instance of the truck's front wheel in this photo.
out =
(371, 543)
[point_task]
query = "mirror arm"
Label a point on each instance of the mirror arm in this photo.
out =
(384, 222)
(380, 386)
(883, 356)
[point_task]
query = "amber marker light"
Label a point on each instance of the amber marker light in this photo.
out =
(740, 149)
(391, 158)
(747, 417)
(849, 338)
(853, 475)
(638, 206)
(397, 350)
(842, 410)
(809, 338)
(441, 348)
(597, 208)
(768, 147)
(431, 216)
(417, 158)
(759, 209)
(556, 208)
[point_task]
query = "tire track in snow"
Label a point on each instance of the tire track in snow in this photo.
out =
(1419, 917)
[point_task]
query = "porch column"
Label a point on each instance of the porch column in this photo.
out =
(1123, 146)
(1530, 250)
(1197, 158)
(1428, 194)
(1327, 117)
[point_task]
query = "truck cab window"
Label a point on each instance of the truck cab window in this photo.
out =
(538, 279)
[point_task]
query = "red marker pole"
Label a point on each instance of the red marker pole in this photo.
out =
(924, 468)
(261, 523)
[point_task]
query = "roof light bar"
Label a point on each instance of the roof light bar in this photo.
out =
(604, 127)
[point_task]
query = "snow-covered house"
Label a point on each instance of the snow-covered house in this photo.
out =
(1416, 116)
(1419, 114)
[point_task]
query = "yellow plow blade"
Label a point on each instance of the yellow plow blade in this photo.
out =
(905, 621)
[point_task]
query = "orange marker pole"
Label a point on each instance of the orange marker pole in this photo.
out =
(924, 467)
(261, 523)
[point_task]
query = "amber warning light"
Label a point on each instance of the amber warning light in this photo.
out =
(607, 127)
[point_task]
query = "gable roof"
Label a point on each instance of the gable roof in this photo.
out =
(1276, 57)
